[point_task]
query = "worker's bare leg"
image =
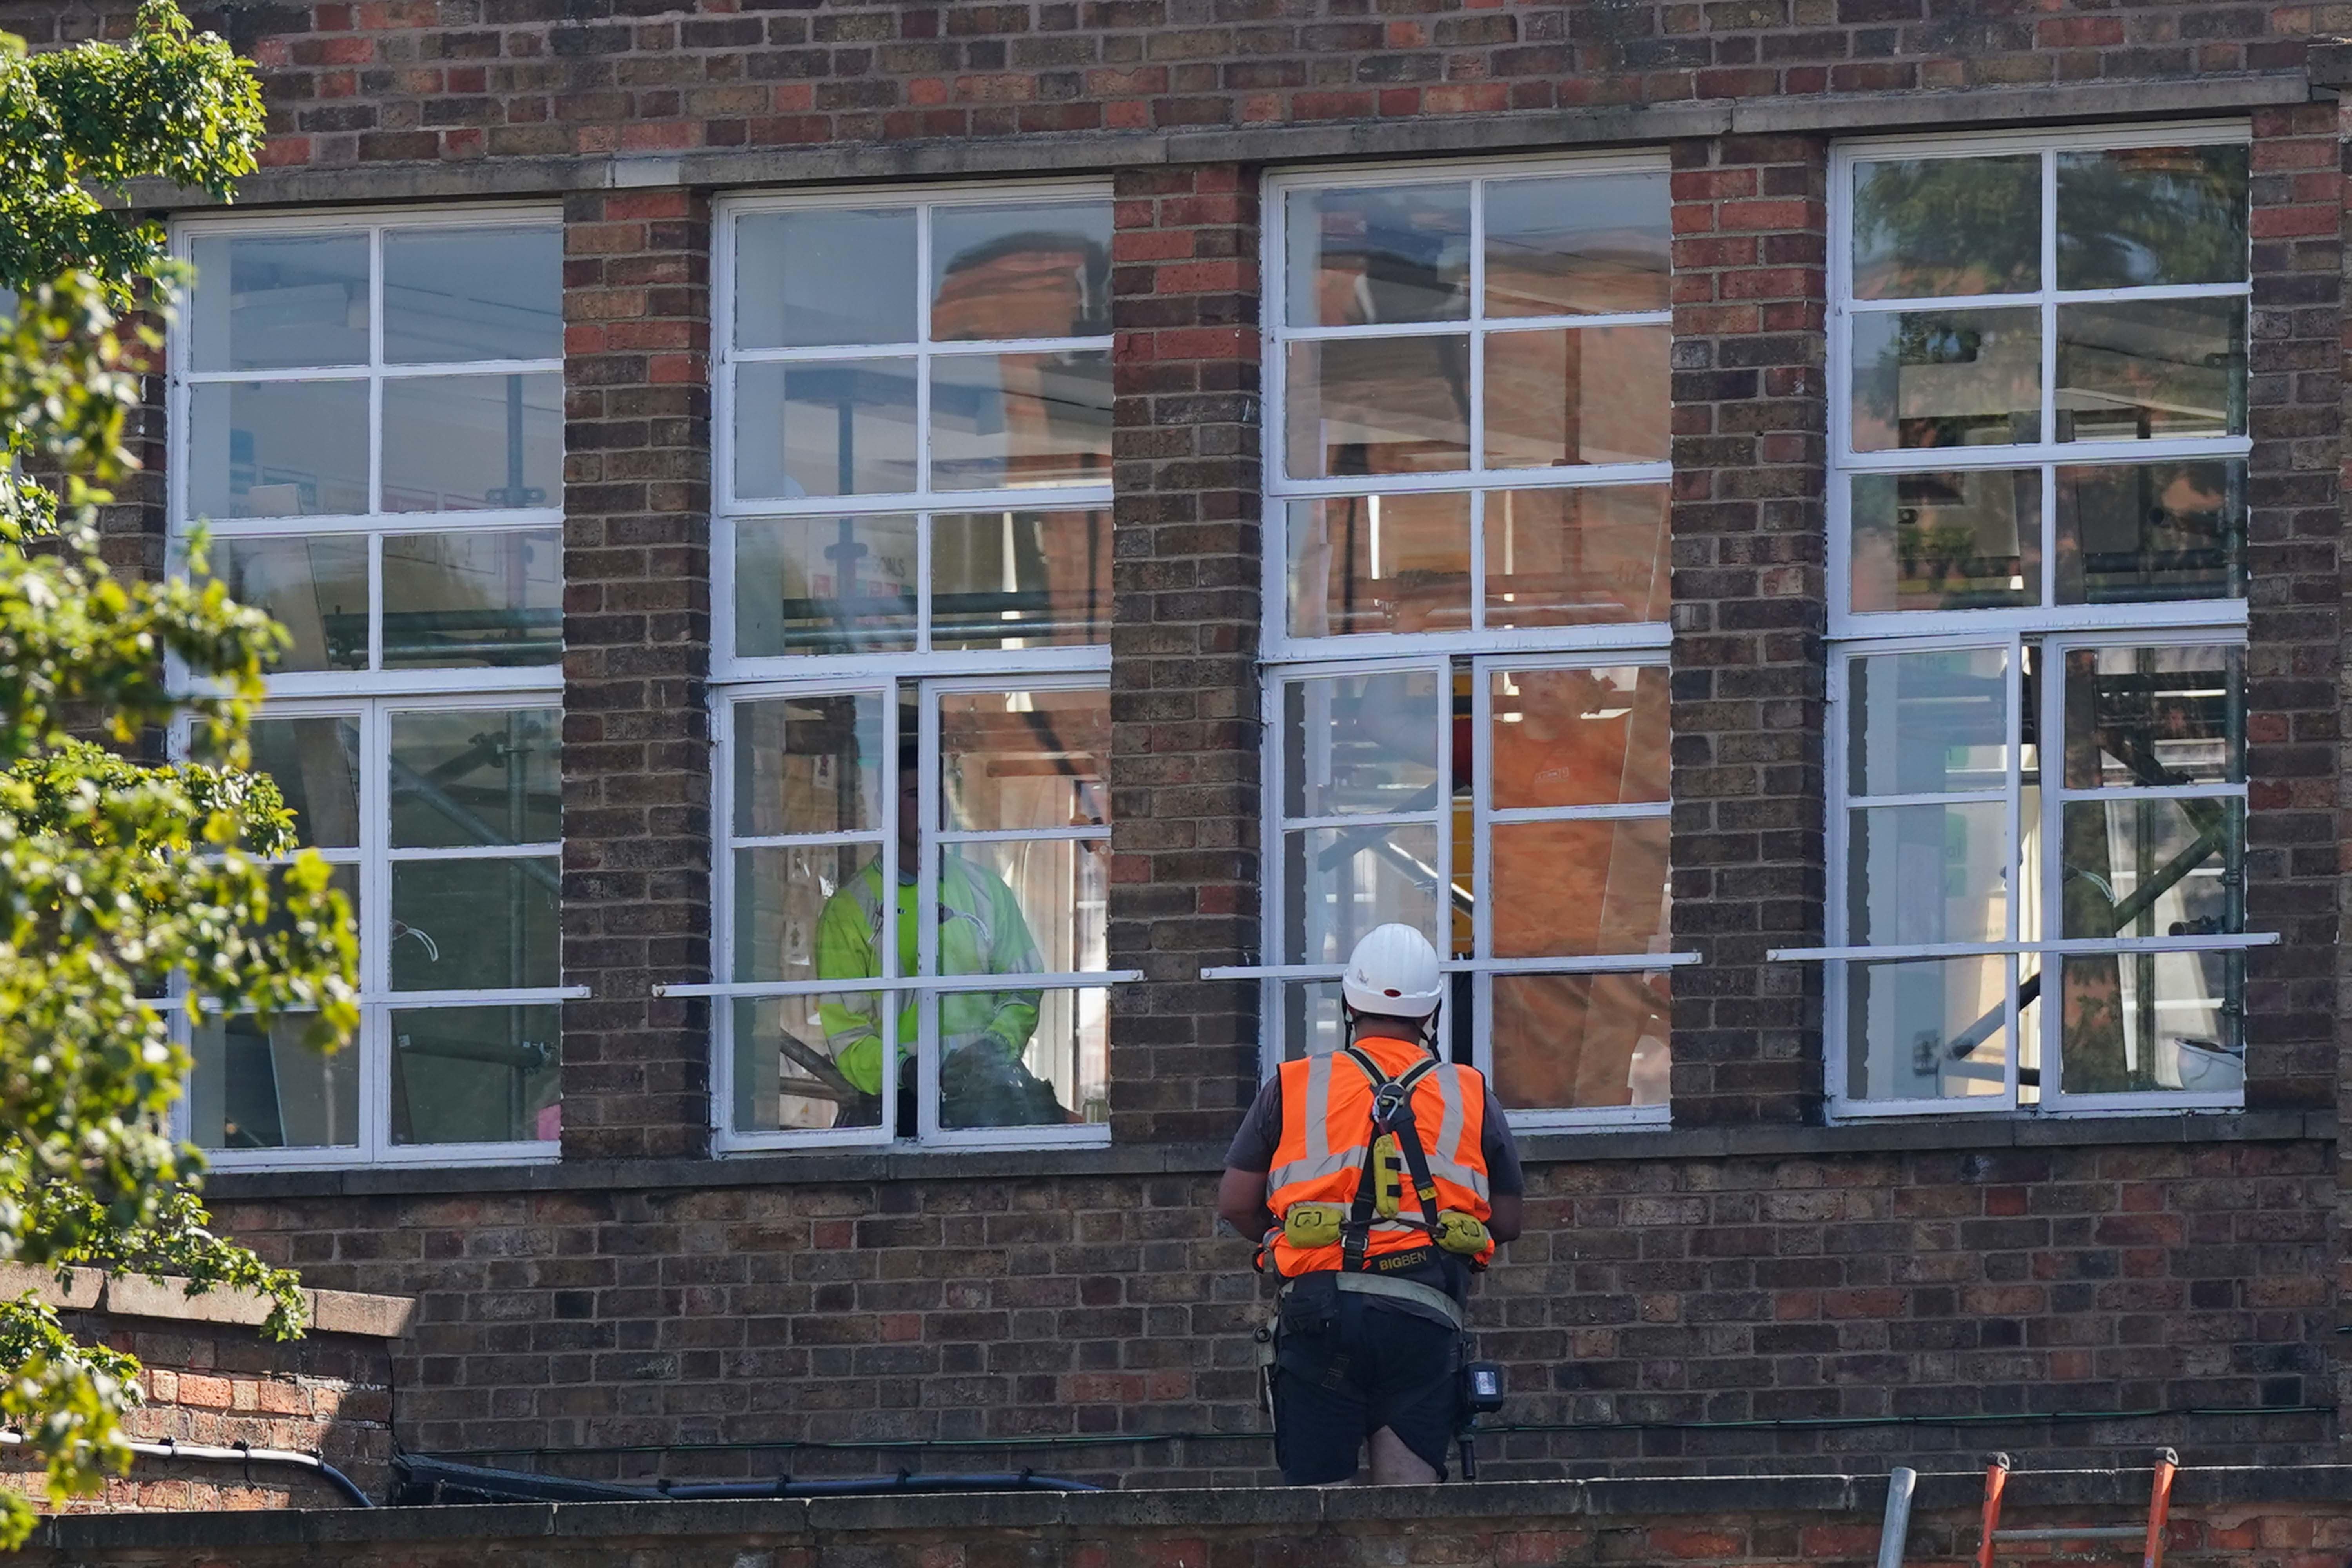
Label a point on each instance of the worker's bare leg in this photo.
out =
(1394, 1465)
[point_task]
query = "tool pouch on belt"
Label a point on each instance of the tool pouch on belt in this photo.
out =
(1464, 1235)
(1310, 1305)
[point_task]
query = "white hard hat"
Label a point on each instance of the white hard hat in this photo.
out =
(1393, 972)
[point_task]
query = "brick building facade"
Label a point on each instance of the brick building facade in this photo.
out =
(1788, 1203)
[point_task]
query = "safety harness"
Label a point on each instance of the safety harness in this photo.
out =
(1394, 1150)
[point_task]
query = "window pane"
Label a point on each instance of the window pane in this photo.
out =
(2151, 717)
(472, 925)
(811, 764)
(1570, 889)
(1595, 394)
(1933, 1028)
(824, 584)
(1966, 539)
(793, 271)
(1057, 1074)
(1928, 722)
(1020, 579)
(473, 599)
(1359, 743)
(1312, 1022)
(2129, 218)
(807, 912)
(1577, 557)
(1928, 227)
(317, 588)
(1012, 905)
(1395, 253)
(2151, 532)
(1579, 245)
(1011, 760)
(476, 1075)
(1003, 420)
(2152, 867)
(472, 294)
(258, 1085)
(1379, 405)
(467, 443)
(837, 429)
(785, 1075)
(466, 776)
(1578, 737)
(2137, 370)
(1946, 378)
(278, 303)
(1380, 564)
(1026, 271)
(2152, 1022)
(1341, 882)
(315, 764)
(278, 448)
(1569, 1042)
(1927, 873)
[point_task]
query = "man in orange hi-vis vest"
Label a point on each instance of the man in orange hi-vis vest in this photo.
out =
(1379, 1178)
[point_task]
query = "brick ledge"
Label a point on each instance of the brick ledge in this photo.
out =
(811, 1518)
(834, 1167)
(132, 1296)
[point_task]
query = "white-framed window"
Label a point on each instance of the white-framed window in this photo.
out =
(912, 572)
(2037, 689)
(1466, 584)
(366, 424)
(367, 419)
(442, 816)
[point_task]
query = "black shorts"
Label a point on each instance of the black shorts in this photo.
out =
(1373, 1365)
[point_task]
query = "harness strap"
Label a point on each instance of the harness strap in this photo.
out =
(1391, 1098)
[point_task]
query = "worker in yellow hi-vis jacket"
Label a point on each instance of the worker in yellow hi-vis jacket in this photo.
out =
(982, 1034)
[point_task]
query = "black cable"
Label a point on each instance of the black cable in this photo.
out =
(1758, 1424)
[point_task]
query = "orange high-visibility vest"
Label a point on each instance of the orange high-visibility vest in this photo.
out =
(1327, 1133)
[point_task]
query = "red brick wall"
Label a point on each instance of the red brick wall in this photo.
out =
(636, 641)
(1749, 247)
(1184, 580)
(1654, 1306)
(220, 1384)
(372, 81)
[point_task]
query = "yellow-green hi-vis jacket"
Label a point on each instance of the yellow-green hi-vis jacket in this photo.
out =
(982, 932)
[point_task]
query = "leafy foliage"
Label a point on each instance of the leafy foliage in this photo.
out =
(127, 891)
(78, 124)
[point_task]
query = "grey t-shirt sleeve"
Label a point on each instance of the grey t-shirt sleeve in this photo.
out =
(1254, 1146)
(1504, 1177)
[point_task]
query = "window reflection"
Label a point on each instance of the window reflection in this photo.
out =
(2147, 532)
(2129, 218)
(1379, 405)
(1387, 254)
(1013, 272)
(2136, 370)
(1963, 538)
(1925, 227)
(1577, 245)
(1947, 378)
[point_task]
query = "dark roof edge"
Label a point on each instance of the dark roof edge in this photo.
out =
(1475, 1505)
